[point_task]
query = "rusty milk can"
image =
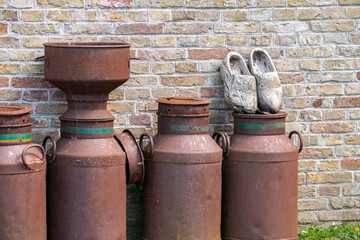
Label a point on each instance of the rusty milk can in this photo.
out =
(260, 180)
(22, 177)
(87, 180)
(182, 186)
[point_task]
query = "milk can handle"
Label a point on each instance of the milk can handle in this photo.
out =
(33, 146)
(151, 151)
(300, 138)
(42, 59)
(226, 141)
(49, 158)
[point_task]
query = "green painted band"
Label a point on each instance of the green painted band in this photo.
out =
(259, 126)
(182, 128)
(87, 130)
(15, 136)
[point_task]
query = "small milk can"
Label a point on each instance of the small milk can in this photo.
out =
(182, 186)
(260, 180)
(22, 177)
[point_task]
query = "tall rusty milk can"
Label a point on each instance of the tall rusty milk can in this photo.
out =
(182, 186)
(22, 177)
(87, 180)
(260, 180)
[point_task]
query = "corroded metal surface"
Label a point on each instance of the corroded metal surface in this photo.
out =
(260, 180)
(87, 179)
(182, 187)
(22, 177)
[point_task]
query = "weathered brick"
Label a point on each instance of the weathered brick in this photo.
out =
(30, 82)
(349, 215)
(57, 95)
(213, 41)
(284, 27)
(35, 95)
(87, 28)
(61, 3)
(235, 15)
(349, 2)
(291, 77)
(301, 178)
(310, 51)
(184, 15)
(328, 165)
(58, 15)
(160, 15)
(353, 12)
(210, 3)
(84, 15)
(121, 107)
(159, 3)
(355, 38)
(317, 153)
(187, 92)
(313, 204)
(269, 3)
(352, 139)
(3, 28)
(292, 116)
(214, 53)
(208, 15)
(331, 89)
(285, 39)
(334, 12)
(332, 26)
(288, 90)
(39, 122)
(329, 177)
(21, 55)
(335, 38)
(162, 68)
(10, 95)
(147, 106)
(331, 140)
(332, 127)
(260, 40)
(352, 190)
(20, 3)
(284, 13)
(186, 67)
(331, 77)
(139, 67)
(237, 27)
(189, 41)
(329, 191)
(140, 41)
(347, 102)
(8, 15)
(348, 51)
(291, 126)
(4, 81)
(311, 2)
(142, 81)
(187, 27)
(306, 191)
(188, 80)
(162, 54)
(210, 66)
(334, 114)
(354, 114)
(310, 115)
(35, 28)
(310, 39)
(347, 151)
(111, 3)
(305, 166)
(334, 64)
(164, 41)
(350, 163)
(162, 92)
(310, 140)
(299, 103)
(9, 68)
(309, 64)
(345, 202)
(32, 42)
(236, 40)
(112, 15)
(306, 90)
(211, 92)
(329, 216)
(140, 119)
(307, 217)
(32, 15)
(137, 28)
(117, 94)
(50, 108)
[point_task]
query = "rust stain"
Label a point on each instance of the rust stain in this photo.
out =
(318, 102)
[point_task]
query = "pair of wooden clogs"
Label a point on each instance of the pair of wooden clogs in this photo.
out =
(252, 89)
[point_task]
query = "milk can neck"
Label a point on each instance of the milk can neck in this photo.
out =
(256, 124)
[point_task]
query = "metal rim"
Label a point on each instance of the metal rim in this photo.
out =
(261, 116)
(184, 101)
(11, 109)
(300, 138)
(42, 159)
(87, 44)
(54, 148)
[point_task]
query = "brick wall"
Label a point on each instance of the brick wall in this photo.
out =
(180, 43)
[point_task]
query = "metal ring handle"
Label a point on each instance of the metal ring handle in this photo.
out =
(33, 146)
(300, 138)
(225, 139)
(48, 159)
(151, 143)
